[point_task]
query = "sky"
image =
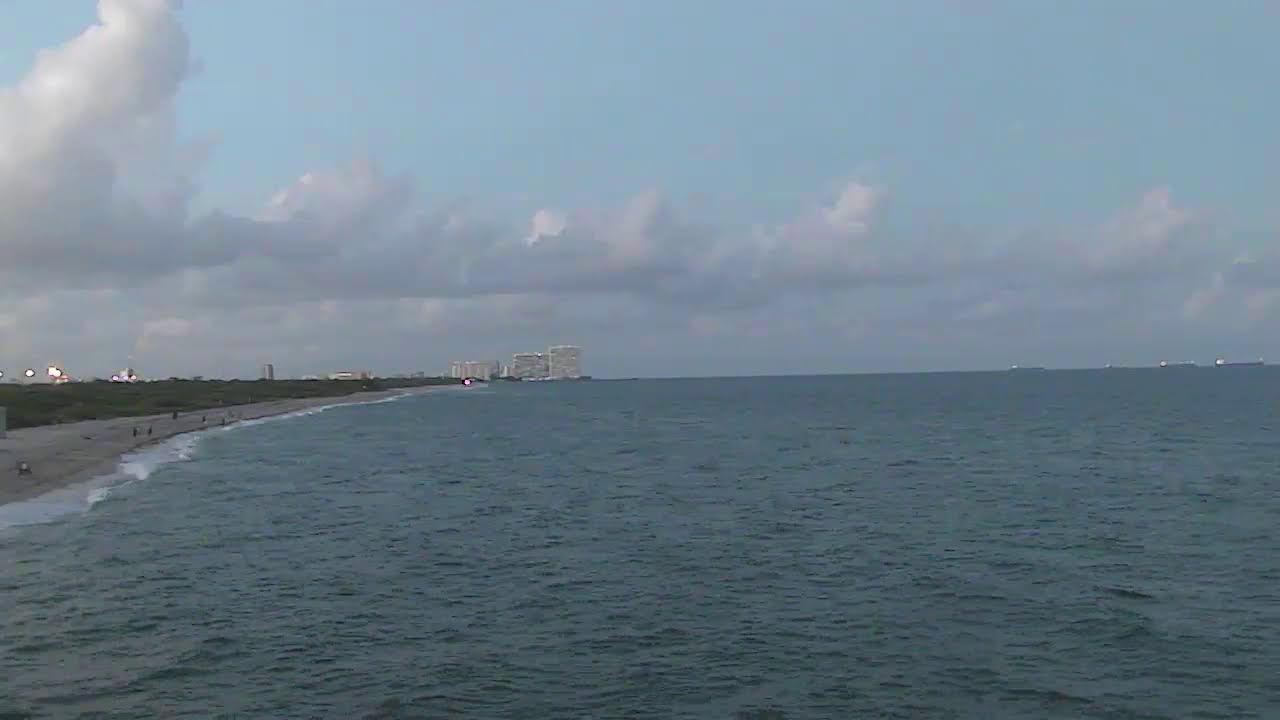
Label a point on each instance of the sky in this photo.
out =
(681, 189)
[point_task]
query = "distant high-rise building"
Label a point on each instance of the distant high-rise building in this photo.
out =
(475, 369)
(564, 362)
(351, 375)
(268, 371)
(481, 369)
(529, 366)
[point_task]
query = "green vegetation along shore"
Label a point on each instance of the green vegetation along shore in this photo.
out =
(44, 404)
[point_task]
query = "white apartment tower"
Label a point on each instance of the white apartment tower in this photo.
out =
(529, 366)
(564, 362)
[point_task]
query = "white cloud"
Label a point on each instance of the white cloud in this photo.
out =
(545, 224)
(92, 180)
(831, 245)
(1141, 235)
(356, 197)
(95, 189)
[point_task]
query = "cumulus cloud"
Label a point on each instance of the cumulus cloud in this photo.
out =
(96, 186)
(1245, 289)
(96, 191)
(545, 224)
(1154, 235)
(93, 184)
(832, 245)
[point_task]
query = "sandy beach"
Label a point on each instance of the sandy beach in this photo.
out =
(63, 455)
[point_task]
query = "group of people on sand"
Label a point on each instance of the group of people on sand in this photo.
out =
(24, 468)
(204, 420)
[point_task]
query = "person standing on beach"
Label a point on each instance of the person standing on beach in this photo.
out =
(135, 432)
(148, 431)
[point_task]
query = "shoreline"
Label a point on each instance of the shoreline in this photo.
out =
(62, 456)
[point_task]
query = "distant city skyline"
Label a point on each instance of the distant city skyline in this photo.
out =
(542, 369)
(475, 369)
(894, 186)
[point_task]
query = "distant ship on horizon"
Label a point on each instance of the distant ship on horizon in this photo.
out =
(1244, 363)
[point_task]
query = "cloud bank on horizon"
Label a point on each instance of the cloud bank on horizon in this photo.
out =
(106, 255)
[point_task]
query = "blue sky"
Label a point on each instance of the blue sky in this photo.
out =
(981, 120)
(978, 113)
(992, 112)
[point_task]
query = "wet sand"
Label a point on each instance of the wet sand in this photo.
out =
(63, 455)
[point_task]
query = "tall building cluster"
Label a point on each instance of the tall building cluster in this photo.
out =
(475, 369)
(560, 362)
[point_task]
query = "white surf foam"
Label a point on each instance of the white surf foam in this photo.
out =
(137, 466)
(306, 411)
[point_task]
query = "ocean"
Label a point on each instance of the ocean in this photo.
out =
(1093, 544)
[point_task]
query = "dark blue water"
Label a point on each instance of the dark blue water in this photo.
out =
(1008, 545)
